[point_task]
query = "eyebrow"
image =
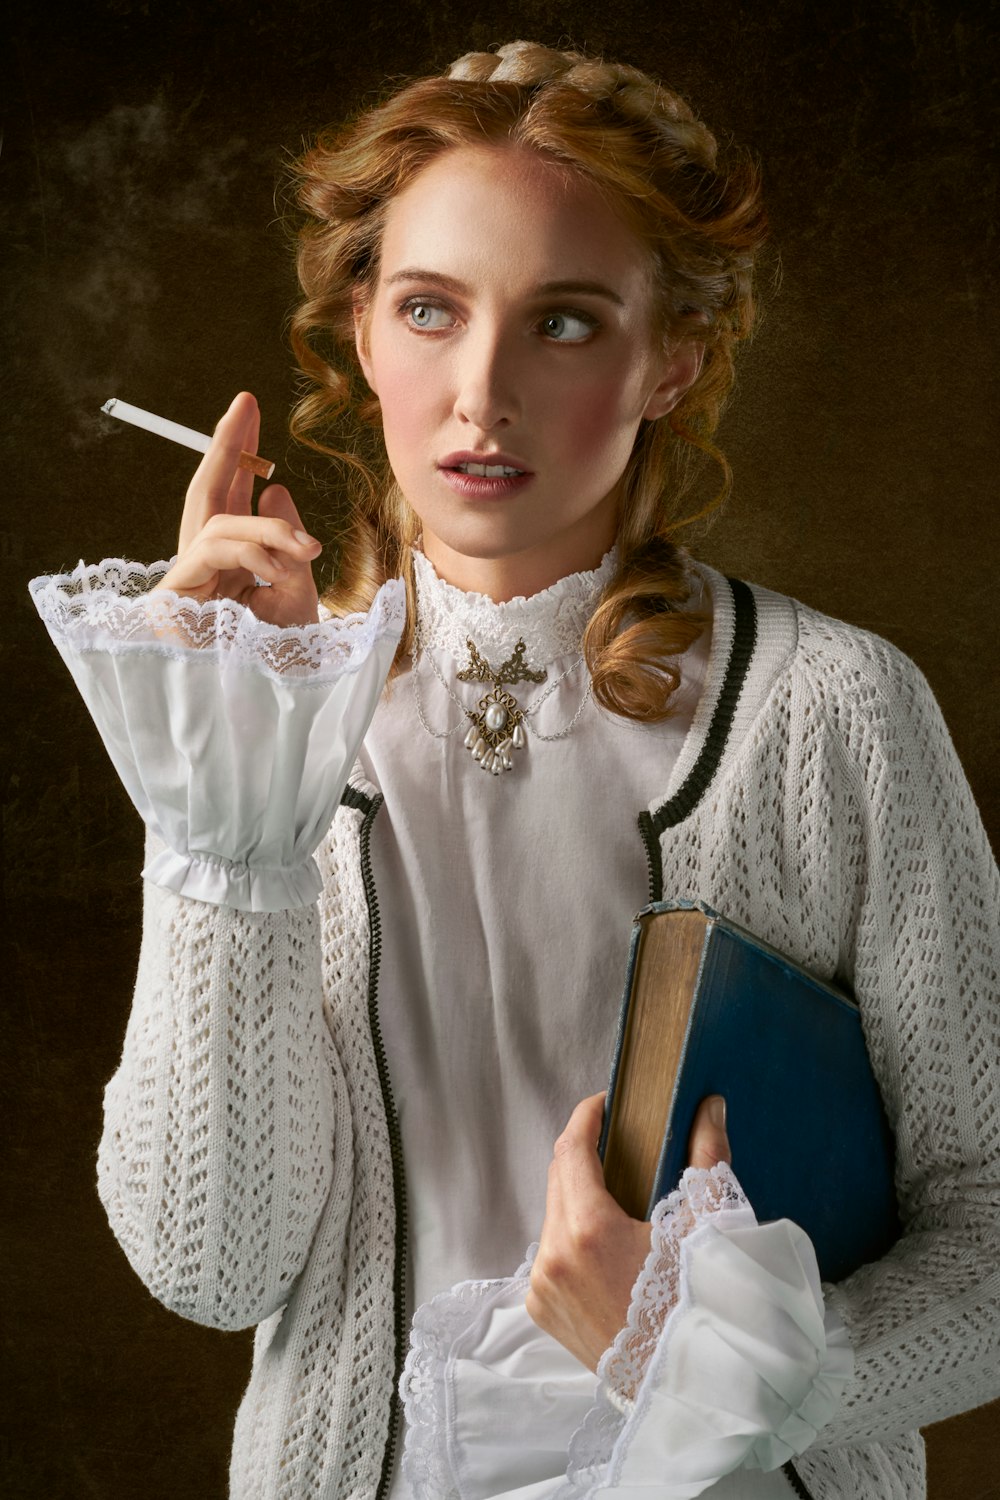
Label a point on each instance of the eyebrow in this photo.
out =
(545, 289)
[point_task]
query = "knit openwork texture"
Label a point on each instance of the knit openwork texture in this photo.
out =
(246, 1167)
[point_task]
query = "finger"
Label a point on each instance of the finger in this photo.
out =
(575, 1154)
(209, 491)
(584, 1124)
(197, 573)
(553, 1202)
(563, 1168)
(264, 545)
(239, 501)
(296, 546)
(708, 1142)
(251, 557)
(276, 501)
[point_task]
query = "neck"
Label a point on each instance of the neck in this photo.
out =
(550, 621)
(516, 576)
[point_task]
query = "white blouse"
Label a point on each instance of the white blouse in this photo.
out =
(505, 904)
(506, 908)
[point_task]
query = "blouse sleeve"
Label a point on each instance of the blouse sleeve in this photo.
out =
(729, 1357)
(233, 737)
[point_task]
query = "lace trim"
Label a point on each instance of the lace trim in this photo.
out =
(550, 623)
(699, 1200)
(111, 606)
(436, 1324)
(702, 1197)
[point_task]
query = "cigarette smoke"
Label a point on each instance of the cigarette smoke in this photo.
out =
(126, 198)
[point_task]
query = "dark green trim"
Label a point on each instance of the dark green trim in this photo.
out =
(654, 858)
(699, 778)
(360, 801)
(796, 1482)
(370, 806)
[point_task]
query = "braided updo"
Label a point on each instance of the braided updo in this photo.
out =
(658, 168)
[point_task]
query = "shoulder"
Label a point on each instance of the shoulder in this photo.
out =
(847, 667)
(863, 698)
(776, 656)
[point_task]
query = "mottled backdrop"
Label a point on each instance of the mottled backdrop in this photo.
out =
(144, 257)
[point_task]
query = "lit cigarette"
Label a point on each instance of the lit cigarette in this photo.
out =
(186, 436)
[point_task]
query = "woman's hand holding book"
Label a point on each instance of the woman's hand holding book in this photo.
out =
(591, 1251)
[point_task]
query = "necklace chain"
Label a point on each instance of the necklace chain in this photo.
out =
(483, 674)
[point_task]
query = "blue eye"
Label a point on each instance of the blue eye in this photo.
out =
(568, 327)
(423, 315)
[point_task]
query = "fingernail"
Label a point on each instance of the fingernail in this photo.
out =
(305, 539)
(717, 1111)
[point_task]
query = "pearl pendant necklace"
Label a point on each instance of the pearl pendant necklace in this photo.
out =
(497, 728)
(499, 722)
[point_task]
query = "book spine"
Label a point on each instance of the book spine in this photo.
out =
(673, 1152)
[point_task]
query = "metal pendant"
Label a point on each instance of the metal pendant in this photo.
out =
(498, 720)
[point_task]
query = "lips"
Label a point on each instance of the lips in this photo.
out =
(490, 487)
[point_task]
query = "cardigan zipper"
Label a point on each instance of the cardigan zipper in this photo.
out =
(796, 1481)
(652, 825)
(371, 807)
(654, 858)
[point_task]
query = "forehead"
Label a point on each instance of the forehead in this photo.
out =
(507, 218)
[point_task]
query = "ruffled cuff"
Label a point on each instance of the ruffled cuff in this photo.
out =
(491, 1401)
(233, 737)
(729, 1358)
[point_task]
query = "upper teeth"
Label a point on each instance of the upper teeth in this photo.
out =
(488, 471)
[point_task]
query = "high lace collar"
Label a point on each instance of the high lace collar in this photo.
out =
(550, 623)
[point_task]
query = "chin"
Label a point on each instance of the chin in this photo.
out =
(485, 542)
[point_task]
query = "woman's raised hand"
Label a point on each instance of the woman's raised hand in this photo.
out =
(223, 548)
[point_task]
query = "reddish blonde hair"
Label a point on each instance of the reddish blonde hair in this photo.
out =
(658, 167)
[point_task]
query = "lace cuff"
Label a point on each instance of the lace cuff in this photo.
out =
(728, 1358)
(234, 738)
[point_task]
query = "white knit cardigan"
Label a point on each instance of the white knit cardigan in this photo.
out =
(250, 1163)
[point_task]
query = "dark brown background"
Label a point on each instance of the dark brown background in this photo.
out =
(143, 259)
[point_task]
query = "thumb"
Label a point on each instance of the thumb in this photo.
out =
(574, 1156)
(708, 1142)
(583, 1128)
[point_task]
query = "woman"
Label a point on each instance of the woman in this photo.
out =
(326, 1118)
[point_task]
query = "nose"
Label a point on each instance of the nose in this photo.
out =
(487, 394)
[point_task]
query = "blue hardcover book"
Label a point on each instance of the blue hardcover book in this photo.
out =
(710, 1009)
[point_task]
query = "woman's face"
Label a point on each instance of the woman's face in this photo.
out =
(512, 327)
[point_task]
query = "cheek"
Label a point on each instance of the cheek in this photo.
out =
(406, 397)
(599, 419)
